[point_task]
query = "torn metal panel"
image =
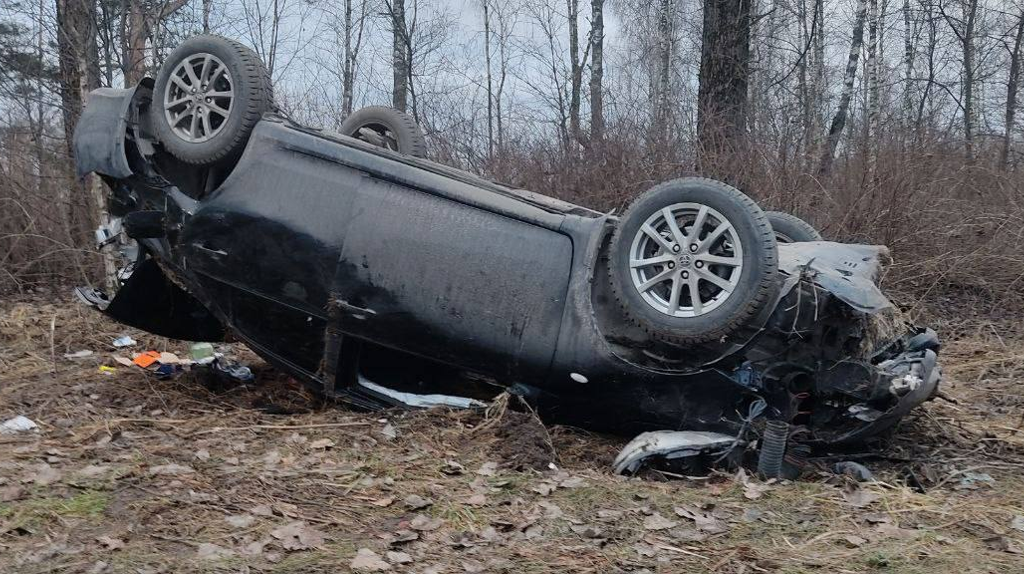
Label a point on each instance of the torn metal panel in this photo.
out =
(671, 445)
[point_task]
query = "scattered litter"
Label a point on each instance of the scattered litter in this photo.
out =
(1017, 523)
(166, 371)
(232, 370)
(18, 424)
(123, 361)
(202, 352)
(146, 359)
(124, 341)
(973, 480)
(169, 359)
(107, 369)
(855, 470)
(78, 354)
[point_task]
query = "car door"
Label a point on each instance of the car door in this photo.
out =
(427, 273)
(265, 245)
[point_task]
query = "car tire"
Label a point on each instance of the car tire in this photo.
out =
(734, 242)
(387, 128)
(790, 228)
(232, 92)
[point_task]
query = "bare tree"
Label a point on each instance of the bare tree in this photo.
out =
(597, 69)
(78, 54)
(353, 26)
(963, 26)
(724, 73)
(139, 21)
(1012, 83)
(839, 120)
(490, 83)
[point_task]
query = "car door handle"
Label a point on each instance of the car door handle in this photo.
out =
(210, 250)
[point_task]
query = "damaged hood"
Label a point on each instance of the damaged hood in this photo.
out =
(850, 272)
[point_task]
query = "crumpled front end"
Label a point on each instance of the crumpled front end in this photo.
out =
(853, 366)
(834, 363)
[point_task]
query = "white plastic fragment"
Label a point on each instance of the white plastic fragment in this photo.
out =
(124, 341)
(18, 424)
(78, 354)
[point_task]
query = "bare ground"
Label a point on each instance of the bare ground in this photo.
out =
(133, 474)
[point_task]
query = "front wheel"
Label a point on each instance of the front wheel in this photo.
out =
(208, 97)
(692, 260)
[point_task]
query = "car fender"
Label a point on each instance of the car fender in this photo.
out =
(99, 138)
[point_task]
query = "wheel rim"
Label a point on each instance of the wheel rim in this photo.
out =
(378, 135)
(686, 260)
(198, 98)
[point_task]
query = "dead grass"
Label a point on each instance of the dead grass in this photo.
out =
(134, 474)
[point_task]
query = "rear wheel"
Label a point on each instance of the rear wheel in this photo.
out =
(790, 228)
(208, 97)
(692, 260)
(387, 128)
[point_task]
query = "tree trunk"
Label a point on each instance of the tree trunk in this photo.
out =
(490, 83)
(597, 70)
(575, 70)
(908, 65)
(839, 120)
(662, 86)
(78, 57)
(207, 8)
(968, 43)
(1011, 94)
(724, 74)
(347, 71)
(399, 53)
(134, 48)
(871, 71)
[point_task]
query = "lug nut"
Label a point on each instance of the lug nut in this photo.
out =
(675, 248)
(693, 247)
(671, 265)
(698, 264)
(686, 275)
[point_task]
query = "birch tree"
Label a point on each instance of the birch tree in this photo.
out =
(842, 112)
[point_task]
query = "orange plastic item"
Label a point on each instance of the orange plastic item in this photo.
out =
(146, 359)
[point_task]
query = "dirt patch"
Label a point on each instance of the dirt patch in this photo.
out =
(522, 443)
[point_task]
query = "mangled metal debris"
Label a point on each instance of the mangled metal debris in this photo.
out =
(383, 279)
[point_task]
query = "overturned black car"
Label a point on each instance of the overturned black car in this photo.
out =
(385, 279)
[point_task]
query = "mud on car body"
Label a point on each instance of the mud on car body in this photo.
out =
(384, 279)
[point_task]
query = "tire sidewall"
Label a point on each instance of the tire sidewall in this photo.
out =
(792, 227)
(409, 136)
(243, 84)
(759, 258)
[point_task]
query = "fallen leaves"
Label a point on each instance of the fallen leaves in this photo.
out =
(110, 543)
(704, 521)
(298, 536)
(172, 469)
(367, 560)
(858, 497)
(658, 522)
(240, 520)
(416, 502)
(424, 523)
